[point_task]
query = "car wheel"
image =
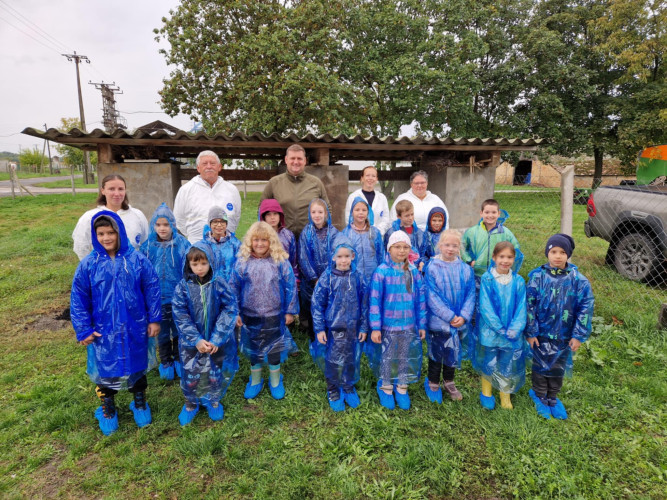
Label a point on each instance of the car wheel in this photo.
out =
(635, 256)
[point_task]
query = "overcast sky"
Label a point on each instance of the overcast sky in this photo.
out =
(38, 85)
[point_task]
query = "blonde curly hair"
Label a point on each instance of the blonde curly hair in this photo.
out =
(263, 231)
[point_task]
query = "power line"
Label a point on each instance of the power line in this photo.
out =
(29, 35)
(142, 112)
(41, 32)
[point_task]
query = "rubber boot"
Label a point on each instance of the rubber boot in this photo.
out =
(486, 396)
(505, 401)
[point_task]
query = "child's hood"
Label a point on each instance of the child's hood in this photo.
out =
(119, 227)
(187, 272)
(272, 205)
(163, 211)
(359, 199)
(502, 218)
(326, 209)
(345, 244)
(396, 226)
(436, 210)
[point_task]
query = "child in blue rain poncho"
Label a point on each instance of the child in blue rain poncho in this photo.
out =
(165, 248)
(316, 245)
(450, 300)
(271, 212)
(205, 314)
(560, 309)
(115, 308)
(365, 238)
(405, 211)
(340, 318)
(500, 355)
(266, 293)
(397, 317)
(436, 223)
(223, 244)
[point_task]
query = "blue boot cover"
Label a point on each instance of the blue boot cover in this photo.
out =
(216, 413)
(352, 398)
(278, 392)
(488, 402)
(558, 409)
(166, 372)
(252, 391)
(402, 400)
(386, 400)
(141, 417)
(433, 396)
(186, 416)
(107, 425)
(178, 368)
(543, 410)
(337, 405)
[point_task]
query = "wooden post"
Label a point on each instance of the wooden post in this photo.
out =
(71, 174)
(104, 154)
(662, 316)
(321, 157)
(566, 199)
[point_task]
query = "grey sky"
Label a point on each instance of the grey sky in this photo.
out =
(38, 85)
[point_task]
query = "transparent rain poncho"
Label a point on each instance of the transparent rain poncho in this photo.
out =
(286, 237)
(559, 308)
(417, 240)
(265, 291)
(368, 246)
(397, 308)
(430, 235)
(500, 354)
(450, 291)
(117, 298)
(205, 308)
(340, 308)
(316, 248)
(223, 252)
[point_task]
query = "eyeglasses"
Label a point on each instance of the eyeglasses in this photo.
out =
(218, 222)
(414, 183)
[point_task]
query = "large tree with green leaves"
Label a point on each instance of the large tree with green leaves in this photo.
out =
(32, 158)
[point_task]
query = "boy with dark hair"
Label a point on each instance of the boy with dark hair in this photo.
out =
(405, 212)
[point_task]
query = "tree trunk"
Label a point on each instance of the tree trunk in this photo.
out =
(597, 174)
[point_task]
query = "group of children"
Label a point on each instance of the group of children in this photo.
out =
(357, 294)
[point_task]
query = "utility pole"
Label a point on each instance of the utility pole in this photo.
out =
(110, 115)
(49, 146)
(77, 58)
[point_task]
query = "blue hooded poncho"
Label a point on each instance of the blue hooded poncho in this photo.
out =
(417, 240)
(431, 236)
(205, 312)
(316, 248)
(117, 298)
(560, 308)
(223, 251)
(166, 256)
(368, 245)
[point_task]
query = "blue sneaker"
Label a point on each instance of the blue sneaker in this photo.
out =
(352, 398)
(488, 402)
(386, 400)
(166, 371)
(252, 391)
(178, 368)
(557, 409)
(142, 416)
(433, 396)
(402, 400)
(216, 413)
(278, 392)
(186, 416)
(541, 406)
(108, 425)
(338, 404)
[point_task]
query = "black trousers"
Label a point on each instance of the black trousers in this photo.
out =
(546, 386)
(434, 370)
(139, 386)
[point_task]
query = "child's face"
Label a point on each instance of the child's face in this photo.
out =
(504, 261)
(343, 259)
(449, 248)
(163, 229)
(108, 238)
(200, 267)
(260, 246)
(490, 215)
(272, 219)
(318, 214)
(437, 221)
(359, 214)
(407, 218)
(399, 252)
(218, 228)
(557, 258)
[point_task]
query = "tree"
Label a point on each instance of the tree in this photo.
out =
(73, 157)
(32, 158)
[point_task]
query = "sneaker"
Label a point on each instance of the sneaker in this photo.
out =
(178, 368)
(336, 404)
(215, 411)
(541, 405)
(352, 398)
(557, 409)
(402, 400)
(278, 392)
(186, 416)
(252, 391)
(108, 425)
(433, 396)
(166, 371)
(488, 402)
(386, 400)
(451, 389)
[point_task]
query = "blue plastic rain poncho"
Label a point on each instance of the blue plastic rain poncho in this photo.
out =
(367, 245)
(560, 307)
(116, 297)
(431, 235)
(450, 291)
(316, 248)
(340, 308)
(205, 309)
(223, 252)
(500, 354)
(478, 244)
(397, 308)
(417, 240)
(286, 237)
(266, 292)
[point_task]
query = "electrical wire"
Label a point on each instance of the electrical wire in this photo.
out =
(31, 25)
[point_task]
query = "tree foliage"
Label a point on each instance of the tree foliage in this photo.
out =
(32, 158)
(71, 156)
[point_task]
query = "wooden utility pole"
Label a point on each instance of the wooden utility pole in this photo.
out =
(49, 149)
(78, 58)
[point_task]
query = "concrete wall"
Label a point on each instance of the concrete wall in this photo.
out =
(335, 179)
(148, 184)
(463, 192)
(545, 175)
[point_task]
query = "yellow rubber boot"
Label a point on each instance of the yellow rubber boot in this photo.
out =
(505, 401)
(487, 388)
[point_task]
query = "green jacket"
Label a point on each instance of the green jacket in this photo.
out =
(478, 244)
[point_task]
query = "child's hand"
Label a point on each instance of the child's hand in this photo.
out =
(472, 263)
(457, 322)
(362, 337)
(289, 319)
(90, 339)
(203, 346)
(153, 329)
(575, 344)
(239, 322)
(213, 349)
(421, 266)
(533, 342)
(376, 336)
(422, 334)
(322, 337)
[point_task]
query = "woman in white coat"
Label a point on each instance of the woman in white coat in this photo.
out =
(112, 197)
(422, 200)
(375, 199)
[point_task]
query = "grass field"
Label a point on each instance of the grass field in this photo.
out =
(613, 445)
(65, 183)
(4, 176)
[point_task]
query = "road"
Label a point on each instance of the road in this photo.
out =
(6, 187)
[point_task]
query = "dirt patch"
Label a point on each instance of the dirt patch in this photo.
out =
(49, 323)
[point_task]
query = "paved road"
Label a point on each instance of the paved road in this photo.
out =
(6, 187)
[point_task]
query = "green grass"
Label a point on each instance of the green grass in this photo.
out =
(65, 183)
(613, 445)
(4, 176)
